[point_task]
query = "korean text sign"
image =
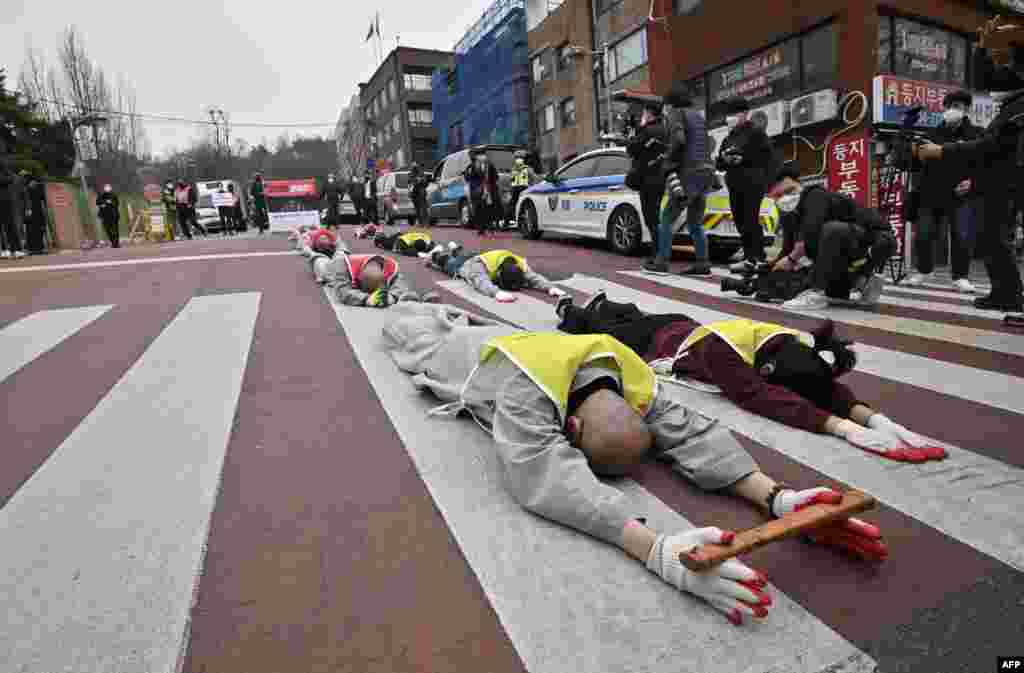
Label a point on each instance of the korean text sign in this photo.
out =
(848, 167)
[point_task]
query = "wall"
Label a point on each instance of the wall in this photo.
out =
(569, 24)
(617, 22)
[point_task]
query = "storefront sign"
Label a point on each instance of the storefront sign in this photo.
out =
(894, 96)
(922, 48)
(891, 202)
(848, 169)
(770, 74)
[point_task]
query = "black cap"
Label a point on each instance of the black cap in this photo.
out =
(962, 97)
(735, 104)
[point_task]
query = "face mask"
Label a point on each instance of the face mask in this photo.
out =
(953, 116)
(787, 203)
(107, 189)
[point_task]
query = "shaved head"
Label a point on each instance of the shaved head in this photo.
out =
(610, 433)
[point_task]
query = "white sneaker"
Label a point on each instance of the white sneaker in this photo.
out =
(918, 279)
(20, 254)
(5, 254)
(964, 285)
(809, 300)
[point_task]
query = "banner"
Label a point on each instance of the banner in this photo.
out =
(286, 220)
(223, 199)
(893, 201)
(894, 96)
(848, 167)
(771, 74)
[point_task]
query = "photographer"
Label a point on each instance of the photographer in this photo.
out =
(946, 195)
(996, 157)
(836, 234)
(750, 163)
(647, 150)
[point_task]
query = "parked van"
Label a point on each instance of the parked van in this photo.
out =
(448, 195)
(393, 199)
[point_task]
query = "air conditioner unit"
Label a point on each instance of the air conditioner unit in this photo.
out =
(813, 108)
(773, 118)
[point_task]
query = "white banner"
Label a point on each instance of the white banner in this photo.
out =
(223, 199)
(285, 221)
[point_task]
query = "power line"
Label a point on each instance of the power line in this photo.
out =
(182, 120)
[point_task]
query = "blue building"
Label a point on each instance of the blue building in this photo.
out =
(483, 95)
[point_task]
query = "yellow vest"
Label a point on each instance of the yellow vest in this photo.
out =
(551, 360)
(493, 259)
(413, 236)
(520, 176)
(745, 336)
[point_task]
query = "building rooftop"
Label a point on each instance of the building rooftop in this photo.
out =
(494, 15)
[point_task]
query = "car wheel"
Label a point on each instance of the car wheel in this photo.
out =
(464, 218)
(624, 233)
(529, 227)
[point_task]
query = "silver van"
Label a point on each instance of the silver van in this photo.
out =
(393, 199)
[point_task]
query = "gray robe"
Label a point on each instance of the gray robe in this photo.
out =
(439, 346)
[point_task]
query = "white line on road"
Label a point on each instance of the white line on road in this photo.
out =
(143, 260)
(567, 601)
(23, 341)
(103, 544)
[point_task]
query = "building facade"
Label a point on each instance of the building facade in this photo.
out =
(397, 110)
(830, 80)
(482, 94)
(581, 51)
(351, 140)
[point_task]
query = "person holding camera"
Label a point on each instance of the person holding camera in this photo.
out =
(846, 242)
(997, 157)
(749, 162)
(946, 194)
(646, 149)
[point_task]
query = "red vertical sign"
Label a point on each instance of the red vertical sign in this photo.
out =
(848, 169)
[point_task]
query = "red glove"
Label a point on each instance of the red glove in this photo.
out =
(853, 535)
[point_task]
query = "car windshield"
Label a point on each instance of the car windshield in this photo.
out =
(503, 160)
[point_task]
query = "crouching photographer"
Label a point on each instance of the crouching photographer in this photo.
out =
(846, 243)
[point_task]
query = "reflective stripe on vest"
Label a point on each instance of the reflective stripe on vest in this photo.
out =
(494, 258)
(551, 360)
(520, 176)
(357, 262)
(744, 336)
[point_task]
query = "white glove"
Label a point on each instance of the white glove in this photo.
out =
(556, 292)
(872, 440)
(886, 426)
(731, 588)
(787, 502)
(505, 297)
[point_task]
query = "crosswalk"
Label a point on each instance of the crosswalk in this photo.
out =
(106, 538)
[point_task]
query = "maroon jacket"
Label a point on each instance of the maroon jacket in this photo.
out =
(714, 361)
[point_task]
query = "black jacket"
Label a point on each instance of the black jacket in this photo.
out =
(647, 150)
(109, 206)
(992, 156)
(333, 192)
(940, 178)
(760, 162)
(818, 206)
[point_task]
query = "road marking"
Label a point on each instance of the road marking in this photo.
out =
(970, 511)
(523, 310)
(103, 545)
(567, 601)
(999, 342)
(23, 341)
(143, 260)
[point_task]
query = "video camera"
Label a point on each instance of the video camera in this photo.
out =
(907, 137)
(766, 285)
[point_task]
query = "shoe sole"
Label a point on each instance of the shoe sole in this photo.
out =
(657, 273)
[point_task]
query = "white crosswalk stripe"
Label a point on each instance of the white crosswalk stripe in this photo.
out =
(25, 340)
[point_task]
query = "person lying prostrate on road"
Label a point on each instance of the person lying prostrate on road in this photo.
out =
(769, 370)
(495, 273)
(563, 409)
(296, 234)
(368, 230)
(369, 280)
(322, 248)
(410, 243)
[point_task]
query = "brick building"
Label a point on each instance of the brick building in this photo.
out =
(396, 107)
(806, 67)
(568, 41)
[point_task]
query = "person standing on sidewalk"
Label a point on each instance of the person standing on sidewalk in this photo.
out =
(110, 214)
(35, 215)
(259, 202)
(522, 177)
(647, 151)
(946, 194)
(750, 164)
(484, 193)
(8, 229)
(183, 200)
(688, 178)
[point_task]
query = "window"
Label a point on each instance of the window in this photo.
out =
(402, 180)
(546, 118)
(602, 6)
(396, 124)
(540, 66)
(612, 164)
(918, 51)
(819, 58)
(415, 82)
(580, 169)
(567, 62)
(627, 55)
(392, 92)
(421, 116)
(569, 112)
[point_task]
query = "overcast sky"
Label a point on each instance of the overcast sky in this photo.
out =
(277, 62)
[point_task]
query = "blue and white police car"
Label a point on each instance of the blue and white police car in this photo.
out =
(589, 198)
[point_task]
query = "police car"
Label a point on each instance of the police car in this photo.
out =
(589, 198)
